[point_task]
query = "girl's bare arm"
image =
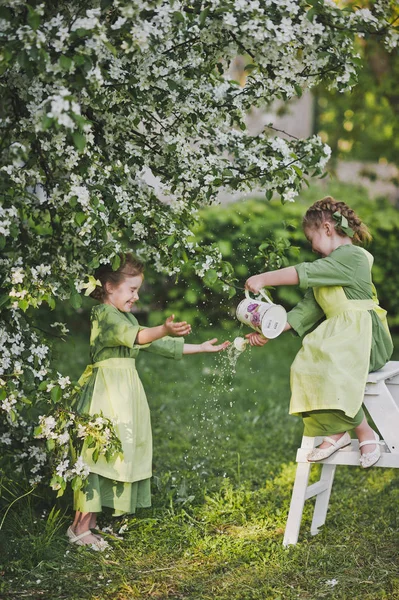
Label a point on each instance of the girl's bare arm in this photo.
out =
(150, 334)
(286, 276)
(208, 346)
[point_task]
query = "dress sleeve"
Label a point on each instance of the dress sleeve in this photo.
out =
(168, 347)
(326, 272)
(115, 329)
(305, 314)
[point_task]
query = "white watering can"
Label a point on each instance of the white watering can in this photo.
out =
(266, 318)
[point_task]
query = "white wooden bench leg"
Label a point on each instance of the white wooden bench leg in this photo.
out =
(297, 503)
(382, 402)
(385, 412)
(322, 498)
(393, 387)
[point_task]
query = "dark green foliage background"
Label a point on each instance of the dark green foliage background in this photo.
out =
(363, 123)
(240, 228)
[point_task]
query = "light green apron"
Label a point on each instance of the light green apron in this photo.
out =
(119, 395)
(330, 370)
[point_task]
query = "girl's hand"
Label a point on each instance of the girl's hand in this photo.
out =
(179, 329)
(256, 339)
(255, 283)
(209, 346)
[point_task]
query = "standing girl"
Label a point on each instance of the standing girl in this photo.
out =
(351, 338)
(111, 386)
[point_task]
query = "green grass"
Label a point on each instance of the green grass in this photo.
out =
(224, 451)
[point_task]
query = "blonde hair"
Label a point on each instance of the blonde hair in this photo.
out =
(130, 266)
(323, 210)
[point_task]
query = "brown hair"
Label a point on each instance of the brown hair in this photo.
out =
(323, 210)
(130, 266)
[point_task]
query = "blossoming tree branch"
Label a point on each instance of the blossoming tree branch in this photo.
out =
(97, 95)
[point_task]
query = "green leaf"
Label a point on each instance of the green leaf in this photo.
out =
(250, 67)
(46, 122)
(75, 300)
(172, 85)
(203, 16)
(298, 90)
(111, 48)
(50, 444)
(79, 59)
(170, 240)
(80, 218)
(210, 277)
(79, 140)
(56, 393)
(178, 16)
(116, 262)
(94, 263)
(310, 14)
(4, 299)
(297, 170)
(96, 455)
(23, 59)
(23, 305)
(33, 18)
(76, 483)
(65, 62)
(50, 301)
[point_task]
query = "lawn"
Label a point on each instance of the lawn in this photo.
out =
(224, 451)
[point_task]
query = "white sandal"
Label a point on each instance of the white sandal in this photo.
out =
(100, 545)
(321, 453)
(368, 459)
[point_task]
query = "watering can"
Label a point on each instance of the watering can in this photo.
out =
(266, 318)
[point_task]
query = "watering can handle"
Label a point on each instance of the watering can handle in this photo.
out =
(261, 293)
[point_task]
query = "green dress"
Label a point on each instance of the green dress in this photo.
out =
(111, 386)
(351, 339)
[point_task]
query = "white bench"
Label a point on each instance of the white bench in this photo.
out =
(381, 399)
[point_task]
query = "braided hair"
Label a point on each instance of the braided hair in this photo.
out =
(323, 210)
(130, 267)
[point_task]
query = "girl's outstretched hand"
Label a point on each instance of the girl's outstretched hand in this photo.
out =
(180, 329)
(209, 346)
(256, 339)
(255, 283)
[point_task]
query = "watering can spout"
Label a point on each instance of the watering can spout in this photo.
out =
(240, 344)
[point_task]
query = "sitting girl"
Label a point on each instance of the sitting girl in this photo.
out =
(351, 338)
